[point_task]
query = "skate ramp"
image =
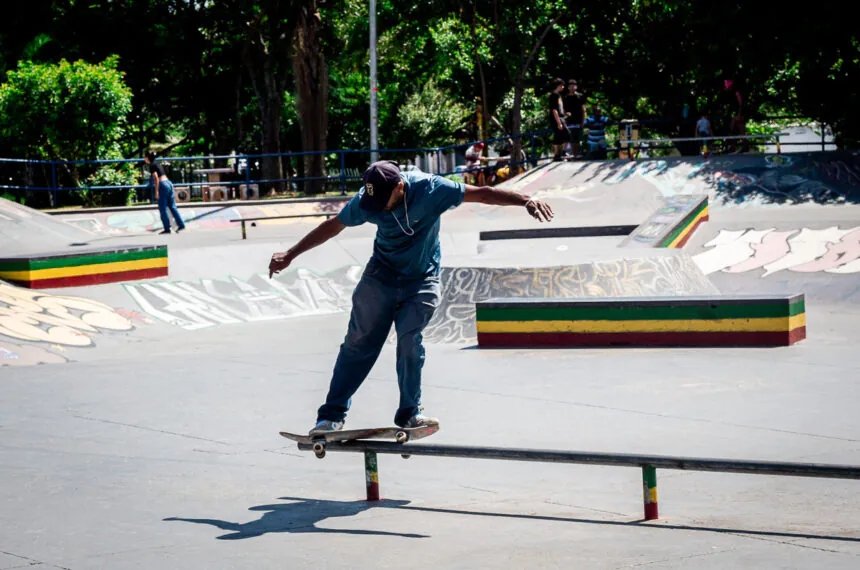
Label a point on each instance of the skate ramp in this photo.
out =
(25, 230)
(815, 251)
(731, 181)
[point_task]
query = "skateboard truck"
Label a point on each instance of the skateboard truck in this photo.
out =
(319, 445)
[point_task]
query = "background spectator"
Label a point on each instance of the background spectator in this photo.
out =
(596, 125)
(574, 106)
(474, 174)
(560, 136)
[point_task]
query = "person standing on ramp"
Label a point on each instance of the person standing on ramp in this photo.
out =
(401, 282)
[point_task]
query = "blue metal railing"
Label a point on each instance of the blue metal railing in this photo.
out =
(531, 156)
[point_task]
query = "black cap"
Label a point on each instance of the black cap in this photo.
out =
(380, 180)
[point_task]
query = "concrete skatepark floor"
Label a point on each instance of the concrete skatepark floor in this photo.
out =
(154, 445)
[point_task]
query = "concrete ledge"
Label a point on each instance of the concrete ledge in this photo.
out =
(92, 266)
(745, 320)
(672, 225)
(592, 231)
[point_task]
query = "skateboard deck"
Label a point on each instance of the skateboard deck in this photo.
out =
(398, 434)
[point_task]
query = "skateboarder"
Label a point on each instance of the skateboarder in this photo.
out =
(401, 282)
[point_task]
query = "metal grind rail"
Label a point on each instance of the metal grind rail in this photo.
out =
(648, 463)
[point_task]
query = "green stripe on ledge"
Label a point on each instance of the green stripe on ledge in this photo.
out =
(683, 225)
(109, 257)
(628, 313)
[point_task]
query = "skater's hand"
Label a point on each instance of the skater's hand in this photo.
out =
(539, 210)
(280, 261)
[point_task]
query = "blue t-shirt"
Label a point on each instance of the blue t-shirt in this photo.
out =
(409, 256)
(596, 130)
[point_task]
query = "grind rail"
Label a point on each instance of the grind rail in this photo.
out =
(648, 463)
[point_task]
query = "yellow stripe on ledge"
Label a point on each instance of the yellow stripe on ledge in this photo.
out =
(95, 269)
(715, 325)
(689, 228)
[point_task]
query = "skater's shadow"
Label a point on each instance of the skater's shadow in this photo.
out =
(300, 515)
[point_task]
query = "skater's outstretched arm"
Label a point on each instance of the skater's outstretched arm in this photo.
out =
(538, 209)
(317, 236)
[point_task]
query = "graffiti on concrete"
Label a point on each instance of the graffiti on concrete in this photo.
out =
(832, 250)
(736, 180)
(462, 287)
(26, 355)
(823, 179)
(67, 321)
(209, 302)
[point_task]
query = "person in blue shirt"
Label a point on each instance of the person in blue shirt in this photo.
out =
(401, 282)
(596, 125)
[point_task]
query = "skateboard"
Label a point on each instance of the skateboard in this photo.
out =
(398, 434)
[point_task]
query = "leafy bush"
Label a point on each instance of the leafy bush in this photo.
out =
(66, 112)
(433, 115)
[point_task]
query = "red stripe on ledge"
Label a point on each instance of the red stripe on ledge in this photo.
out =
(690, 233)
(743, 338)
(97, 279)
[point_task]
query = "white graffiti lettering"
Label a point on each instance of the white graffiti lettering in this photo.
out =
(70, 321)
(832, 250)
(210, 302)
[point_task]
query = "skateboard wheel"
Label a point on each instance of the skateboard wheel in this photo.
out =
(319, 448)
(401, 437)
(405, 456)
(320, 454)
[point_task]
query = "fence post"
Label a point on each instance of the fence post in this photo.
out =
(822, 137)
(438, 161)
(342, 174)
(54, 184)
(534, 152)
(247, 180)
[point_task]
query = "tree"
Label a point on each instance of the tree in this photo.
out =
(311, 77)
(431, 115)
(520, 29)
(65, 111)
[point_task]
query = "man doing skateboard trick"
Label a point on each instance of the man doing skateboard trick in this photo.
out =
(401, 282)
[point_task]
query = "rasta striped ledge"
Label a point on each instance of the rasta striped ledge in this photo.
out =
(671, 226)
(85, 267)
(681, 233)
(740, 320)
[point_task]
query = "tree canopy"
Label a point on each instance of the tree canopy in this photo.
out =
(269, 76)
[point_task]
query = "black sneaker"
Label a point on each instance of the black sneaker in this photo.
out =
(164, 232)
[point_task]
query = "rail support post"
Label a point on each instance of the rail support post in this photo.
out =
(371, 474)
(244, 235)
(649, 489)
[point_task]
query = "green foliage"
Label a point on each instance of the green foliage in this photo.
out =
(118, 174)
(67, 111)
(186, 63)
(432, 115)
(70, 111)
(534, 111)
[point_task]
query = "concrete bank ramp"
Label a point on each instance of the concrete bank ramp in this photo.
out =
(25, 230)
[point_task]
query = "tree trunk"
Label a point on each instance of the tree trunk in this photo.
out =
(270, 112)
(311, 77)
(269, 93)
(516, 124)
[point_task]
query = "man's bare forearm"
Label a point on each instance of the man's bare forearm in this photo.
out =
(495, 196)
(318, 236)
